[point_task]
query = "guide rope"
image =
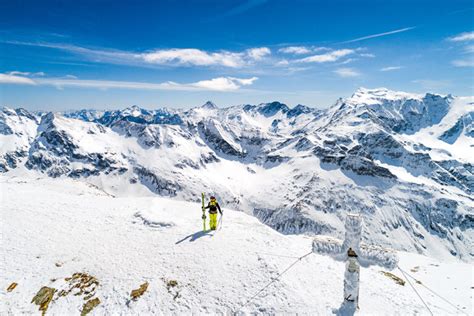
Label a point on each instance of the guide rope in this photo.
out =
(274, 279)
(434, 293)
(276, 255)
(415, 290)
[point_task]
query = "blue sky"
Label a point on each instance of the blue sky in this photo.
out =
(57, 55)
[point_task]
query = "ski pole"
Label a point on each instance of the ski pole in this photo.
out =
(220, 221)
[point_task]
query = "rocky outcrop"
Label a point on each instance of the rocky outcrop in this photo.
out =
(156, 183)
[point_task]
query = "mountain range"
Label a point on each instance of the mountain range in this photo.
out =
(404, 161)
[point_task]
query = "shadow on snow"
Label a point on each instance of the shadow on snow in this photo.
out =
(196, 235)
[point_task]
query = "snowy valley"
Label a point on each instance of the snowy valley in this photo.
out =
(117, 193)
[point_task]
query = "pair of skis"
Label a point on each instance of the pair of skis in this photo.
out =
(204, 214)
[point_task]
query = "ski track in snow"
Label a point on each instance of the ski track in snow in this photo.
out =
(128, 240)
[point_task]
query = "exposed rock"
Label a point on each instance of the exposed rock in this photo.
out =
(43, 298)
(135, 294)
(392, 276)
(89, 306)
(11, 287)
(156, 183)
(82, 284)
(218, 143)
(270, 109)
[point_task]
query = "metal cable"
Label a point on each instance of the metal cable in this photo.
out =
(434, 292)
(274, 279)
(415, 290)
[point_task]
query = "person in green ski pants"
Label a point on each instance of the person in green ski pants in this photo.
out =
(213, 206)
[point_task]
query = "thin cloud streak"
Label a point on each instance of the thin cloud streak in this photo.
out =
(463, 37)
(223, 84)
(391, 68)
(297, 50)
(328, 57)
(463, 62)
(379, 35)
(469, 49)
(346, 72)
(162, 57)
(12, 78)
(248, 5)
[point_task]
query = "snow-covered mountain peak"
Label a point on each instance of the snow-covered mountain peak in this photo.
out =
(88, 115)
(379, 96)
(7, 110)
(298, 110)
(209, 105)
(135, 111)
(47, 121)
(399, 112)
(21, 112)
(272, 108)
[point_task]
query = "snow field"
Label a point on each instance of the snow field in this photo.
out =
(51, 229)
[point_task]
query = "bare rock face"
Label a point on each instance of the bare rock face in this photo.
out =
(156, 183)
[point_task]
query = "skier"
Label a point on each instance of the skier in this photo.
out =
(213, 206)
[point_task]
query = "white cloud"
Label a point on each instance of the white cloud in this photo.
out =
(301, 50)
(347, 61)
(215, 84)
(282, 63)
(14, 78)
(463, 62)
(223, 83)
(328, 57)
(197, 57)
(391, 68)
(258, 53)
(462, 37)
(368, 55)
(193, 56)
(244, 82)
(26, 74)
(380, 34)
(468, 49)
(18, 73)
(346, 72)
(319, 49)
(297, 50)
(168, 57)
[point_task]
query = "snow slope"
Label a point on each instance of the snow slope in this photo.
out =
(67, 226)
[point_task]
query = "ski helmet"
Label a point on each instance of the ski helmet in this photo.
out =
(213, 197)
